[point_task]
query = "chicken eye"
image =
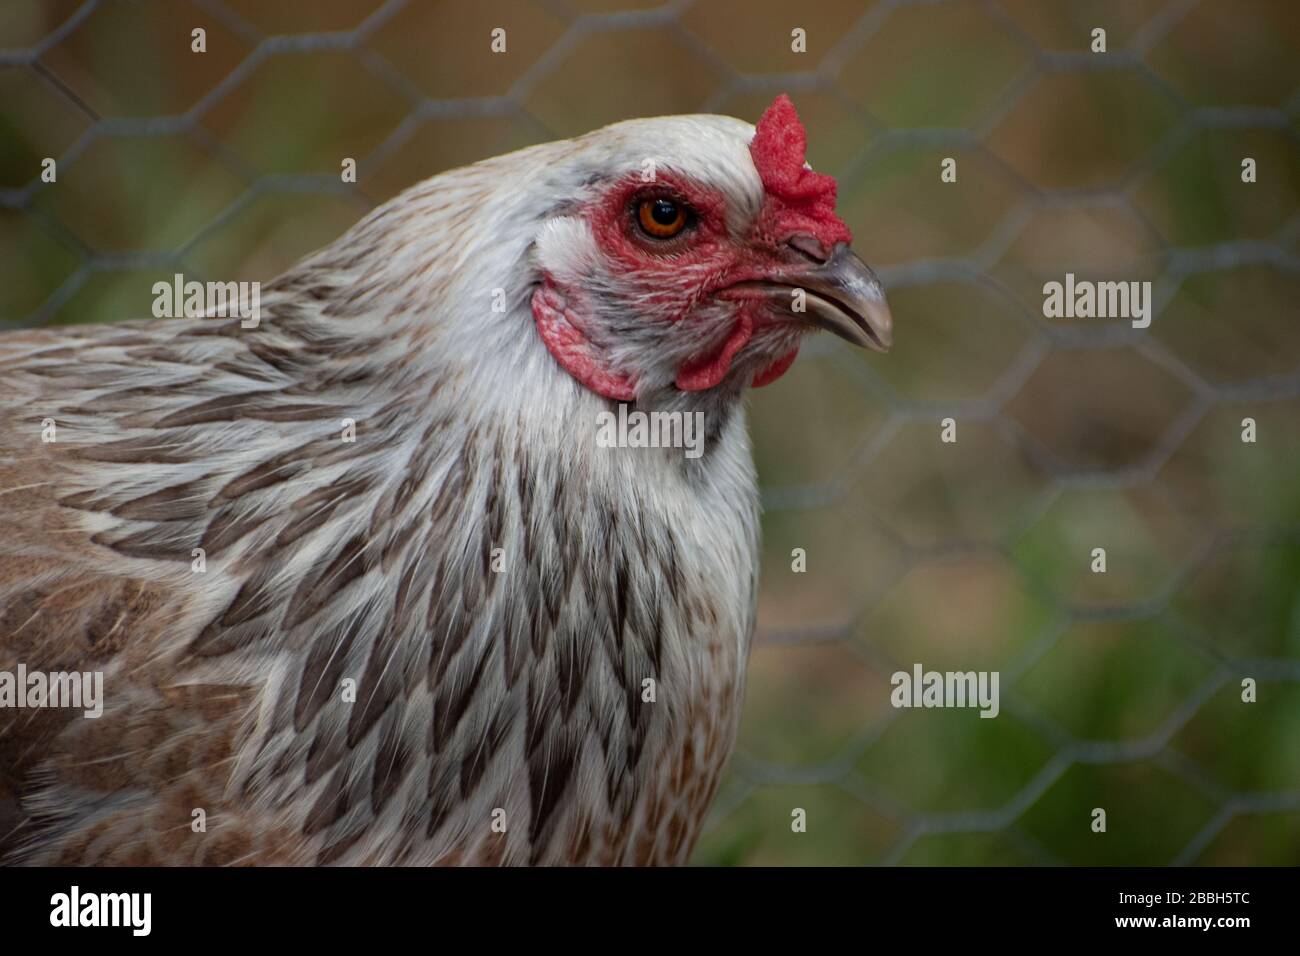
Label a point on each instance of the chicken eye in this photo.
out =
(661, 218)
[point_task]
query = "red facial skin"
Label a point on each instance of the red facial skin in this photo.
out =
(674, 275)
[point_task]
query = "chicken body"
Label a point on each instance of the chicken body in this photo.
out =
(362, 584)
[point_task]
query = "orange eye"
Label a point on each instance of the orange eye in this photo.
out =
(661, 218)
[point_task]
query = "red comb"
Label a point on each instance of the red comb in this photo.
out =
(806, 198)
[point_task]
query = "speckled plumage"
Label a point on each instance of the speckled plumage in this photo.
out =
(496, 586)
(371, 560)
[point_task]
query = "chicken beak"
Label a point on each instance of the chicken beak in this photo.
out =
(845, 296)
(840, 294)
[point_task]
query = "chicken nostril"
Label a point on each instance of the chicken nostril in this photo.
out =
(810, 246)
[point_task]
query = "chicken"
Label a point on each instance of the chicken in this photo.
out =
(360, 583)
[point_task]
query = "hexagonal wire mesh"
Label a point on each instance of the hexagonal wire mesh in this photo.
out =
(1119, 690)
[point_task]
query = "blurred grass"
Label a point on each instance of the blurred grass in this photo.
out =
(970, 555)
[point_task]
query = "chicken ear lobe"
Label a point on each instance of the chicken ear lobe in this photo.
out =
(573, 350)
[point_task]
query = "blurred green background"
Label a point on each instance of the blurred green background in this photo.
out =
(1119, 690)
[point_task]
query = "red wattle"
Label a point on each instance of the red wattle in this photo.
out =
(776, 369)
(707, 372)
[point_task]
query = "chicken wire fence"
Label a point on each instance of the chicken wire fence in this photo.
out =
(743, 826)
